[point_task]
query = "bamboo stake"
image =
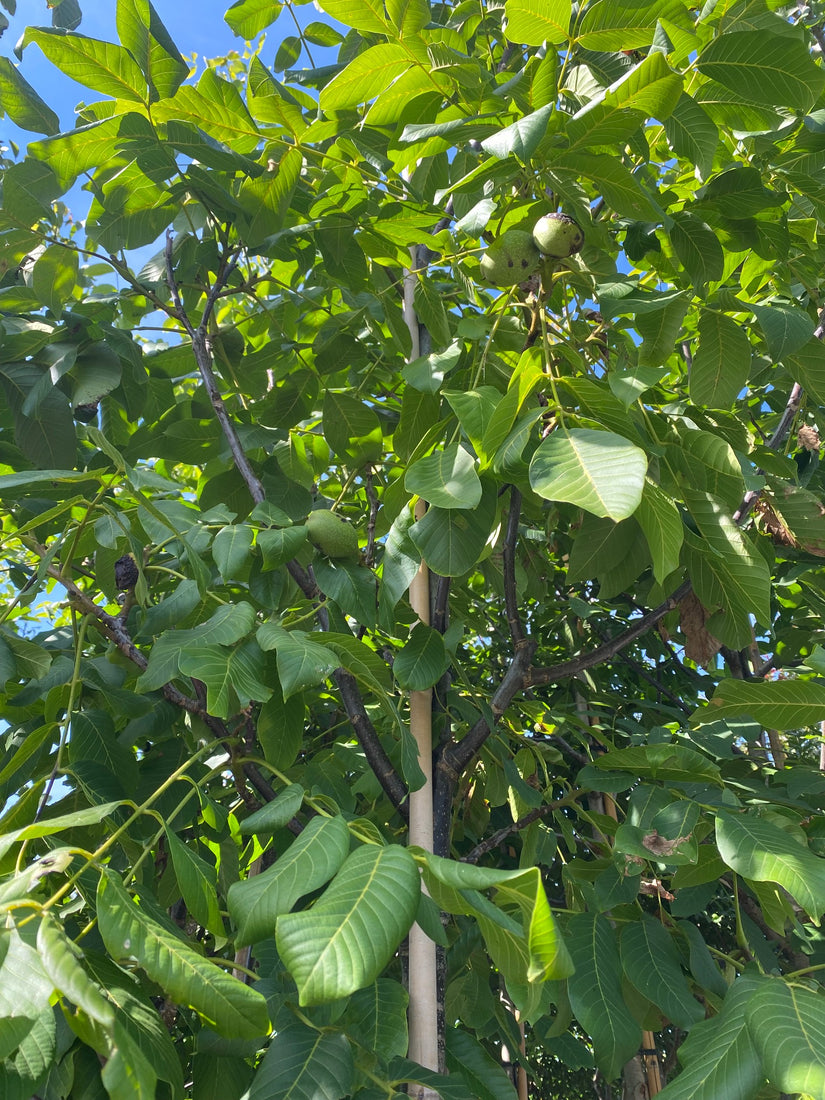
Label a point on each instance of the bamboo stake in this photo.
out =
(422, 1015)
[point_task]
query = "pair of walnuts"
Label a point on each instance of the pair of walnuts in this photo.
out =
(517, 254)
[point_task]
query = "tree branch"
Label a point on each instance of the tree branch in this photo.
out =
(511, 607)
(485, 846)
(353, 703)
(565, 669)
(368, 739)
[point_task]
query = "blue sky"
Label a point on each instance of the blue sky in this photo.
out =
(197, 26)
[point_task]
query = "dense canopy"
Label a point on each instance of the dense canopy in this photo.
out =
(275, 330)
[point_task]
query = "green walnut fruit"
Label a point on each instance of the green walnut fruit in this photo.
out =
(332, 535)
(510, 260)
(558, 235)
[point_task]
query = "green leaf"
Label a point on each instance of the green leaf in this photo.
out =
(712, 466)
(275, 814)
(774, 704)
(467, 1059)
(22, 103)
(452, 541)
(522, 138)
(232, 1008)
(535, 21)
(47, 436)
(141, 31)
(351, 586)
(669, 763)
(596, 993)
(721, 365)
(693, 135)
(241, 669)
(423, 660)
(535, 951)
(103, 66)
(61, 960)
(91, 816)
(736, 562)
(128, 1073)
(301, 662)
(427, 373)
(24, 1074)
(348, 937)
(620, 189)
(376, 1017)
(94, 738)
(750, 64)
(232, 549)
(304, 1064)
(739, 193)
(356, 657)
(719, 1056)
(280, 728)
(366, 76)
(25, 989)
(279, 546)
(216, 107)
(265, 200)
(445, 479)
(786, 1023)
(307, 864)
(651, 963)
(617, 25)
(702, 965)
(198, 882)
(786, 330)
(362, 15)
(475, 410)
(408, 16)
(351, 428)
(698, 249)
(661, 523)
(807, 366)
(247, 18)
(598, 471)
(651, 87)
(430, 308)
(760, 850)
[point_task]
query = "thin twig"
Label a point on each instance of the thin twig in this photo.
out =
(509, 556)
(372, 497)
(565, 669)
(485, 846)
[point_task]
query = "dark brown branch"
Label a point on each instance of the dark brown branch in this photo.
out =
(776, 440)
(565, 669)
(780, 434)
(369, 741)
(577, 757)
(221, 279)
(179, 311)
(520, 675)
(455, 757)
(509, 555)
(203, 358)
(365, 731)
(353, 703)
(372, 498)
(440, 614)
(485, 846)
(640, 670)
